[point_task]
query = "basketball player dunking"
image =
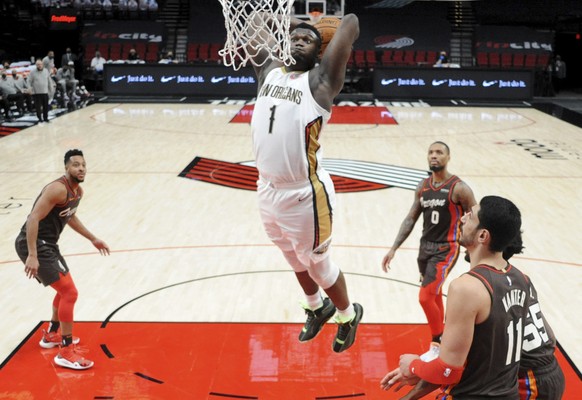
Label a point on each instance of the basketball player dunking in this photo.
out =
(296, 195)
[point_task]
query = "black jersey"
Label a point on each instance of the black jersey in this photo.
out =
(493, 360)
(442, 217)
(51, 226)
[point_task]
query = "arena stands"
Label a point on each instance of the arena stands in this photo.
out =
(393, 34)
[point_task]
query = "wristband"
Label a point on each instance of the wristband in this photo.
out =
(436, 371)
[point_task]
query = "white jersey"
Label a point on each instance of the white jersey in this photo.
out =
(286, 125)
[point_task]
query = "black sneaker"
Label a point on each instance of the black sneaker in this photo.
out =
(316, 319)
(346, 332)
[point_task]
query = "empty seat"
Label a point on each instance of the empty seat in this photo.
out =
(115, 53)
(543, 60)
(203, 51)
(151, 57)
(90, 48)
(530, 60)
(408, 57)
(350, 63)
(398, 57)
(518, 60)
(104, 50)
(360, 59)
(371, 60)
(141, 48)
(153, 48)
(482, 59)
(420, 57)
(386, 58)
(506, 60)
(192, 52)
(494, 60)
(431, 57)
(213, 53)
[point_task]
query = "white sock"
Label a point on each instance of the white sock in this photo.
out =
(346, 315)
(314, 301)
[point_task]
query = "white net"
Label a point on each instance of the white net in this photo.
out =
(254, 26)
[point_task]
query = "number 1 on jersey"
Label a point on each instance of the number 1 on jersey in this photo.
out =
(272, 119)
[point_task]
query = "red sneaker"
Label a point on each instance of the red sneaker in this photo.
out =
(69, 357)
(53, 339)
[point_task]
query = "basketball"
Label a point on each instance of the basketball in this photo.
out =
(327, 27)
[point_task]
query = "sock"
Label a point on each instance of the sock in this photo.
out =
(314, 301)
(346, 315)
(437, 338)
(54, 326)
(67, 340)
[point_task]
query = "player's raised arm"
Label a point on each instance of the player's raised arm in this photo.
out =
(332, 69)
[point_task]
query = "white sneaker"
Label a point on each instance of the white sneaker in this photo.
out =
(432, 353)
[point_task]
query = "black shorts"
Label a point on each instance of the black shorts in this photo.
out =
(546, 383)
(436, 260)
(51, 262)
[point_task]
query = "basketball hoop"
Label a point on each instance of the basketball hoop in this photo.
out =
(254, 26)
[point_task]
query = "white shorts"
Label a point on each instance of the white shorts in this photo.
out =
(298, 217)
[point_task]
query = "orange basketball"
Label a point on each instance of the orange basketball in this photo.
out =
(327, 27)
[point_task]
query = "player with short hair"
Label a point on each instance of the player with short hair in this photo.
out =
(442, 198)
(486, 309)
(540, 376)
(36, 245)
(296, 195)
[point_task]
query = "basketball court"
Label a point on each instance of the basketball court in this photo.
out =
(195, 302)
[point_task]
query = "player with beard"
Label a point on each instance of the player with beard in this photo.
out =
(295, 193)
(37, 247)
(442, 199)
(486, 310)
(540, 375)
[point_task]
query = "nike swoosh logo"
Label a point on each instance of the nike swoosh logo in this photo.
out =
(489, 83)
(302, 198)
(165, 79)
(216, 80)
(117, 78)
(387, 81)
(438, 83)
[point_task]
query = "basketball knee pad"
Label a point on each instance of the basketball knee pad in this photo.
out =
(292, 259)
(324, 273)
(68, 293)
(57, 300)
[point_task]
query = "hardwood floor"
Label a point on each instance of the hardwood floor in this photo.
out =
(194, 251)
